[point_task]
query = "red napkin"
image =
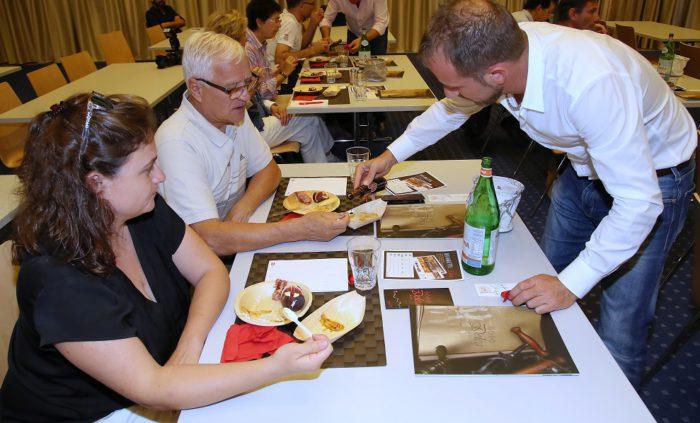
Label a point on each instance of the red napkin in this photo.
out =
(305, 97)
(317, 64)
(245, 342)
(290, 216)
(310, 79)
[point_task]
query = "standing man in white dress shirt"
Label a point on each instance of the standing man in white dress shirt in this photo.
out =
(293, 38)
(369, 17)
(209, 148)
(618, 209)
(536, 11)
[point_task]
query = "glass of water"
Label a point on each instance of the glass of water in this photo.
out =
(363, 252)
(359, 85)
(356, 155)
(331, 72)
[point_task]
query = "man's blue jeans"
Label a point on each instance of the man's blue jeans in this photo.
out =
(629, 295)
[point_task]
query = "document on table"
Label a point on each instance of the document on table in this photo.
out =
(320, 275)
(337, 186)
(423, 265)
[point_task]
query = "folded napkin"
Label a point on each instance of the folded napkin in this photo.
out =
(302, 97)
(310, 79)
(245, 342)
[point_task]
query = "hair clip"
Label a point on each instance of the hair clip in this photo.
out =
(57, 109)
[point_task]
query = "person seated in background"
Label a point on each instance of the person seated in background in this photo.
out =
(270, 118)
(106, 267)
(580, 14)
(536, 11)
(209, 147)
(293, 39)
(364, 17)
(163, 15)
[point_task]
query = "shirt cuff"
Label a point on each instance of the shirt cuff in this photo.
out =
(579, 277)
(196, 217)
(402, 148)
(380, 28)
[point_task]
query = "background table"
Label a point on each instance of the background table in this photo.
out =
(659, 31)
(143, 79)
(394, 393)
(8, 200)
(182, 36)
(341, 33)
(6, 70)
(411, 79)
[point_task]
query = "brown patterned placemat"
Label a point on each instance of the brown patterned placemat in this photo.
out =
(362, 346)
(277, 211)
(354, 59)
(343, 97)
(344, 79)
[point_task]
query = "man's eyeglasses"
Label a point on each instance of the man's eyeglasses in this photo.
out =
(96, 101)
(249, 84)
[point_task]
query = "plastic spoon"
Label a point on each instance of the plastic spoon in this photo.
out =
(289, 314)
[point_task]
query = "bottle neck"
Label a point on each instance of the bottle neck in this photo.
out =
(486, 172)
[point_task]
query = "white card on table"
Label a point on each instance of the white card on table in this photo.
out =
(399, 265)
(320, 275)
(337, 186)
(492, 289)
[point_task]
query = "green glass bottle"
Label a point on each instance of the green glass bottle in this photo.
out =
(365, 49)
(668, 53)
(481, 225)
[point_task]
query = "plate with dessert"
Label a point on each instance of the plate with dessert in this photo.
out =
(303, 202)
(261, 304)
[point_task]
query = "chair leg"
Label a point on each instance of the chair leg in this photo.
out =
(496, 117)
(549, 185)
(522, 159)
(677, 264)
(688, 330)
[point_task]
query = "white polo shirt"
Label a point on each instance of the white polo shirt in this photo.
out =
(206, 169)
(523, 16)
(607, 107)
(290, 34)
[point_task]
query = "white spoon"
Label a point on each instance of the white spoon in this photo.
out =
(289, 314)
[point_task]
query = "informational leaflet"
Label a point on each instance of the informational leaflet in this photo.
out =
(422, 265)
(413, 183)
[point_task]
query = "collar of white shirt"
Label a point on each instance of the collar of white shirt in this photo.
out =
(198, 120)
(534, 88)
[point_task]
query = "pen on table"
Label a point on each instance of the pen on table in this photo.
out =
(505, 295)
(304, 103)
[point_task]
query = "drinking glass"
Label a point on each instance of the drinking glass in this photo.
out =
(356, 155)
(359, 85)
(331, 72)
(363, 253)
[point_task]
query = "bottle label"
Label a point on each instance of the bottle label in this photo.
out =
(486, 173)
(473, 247)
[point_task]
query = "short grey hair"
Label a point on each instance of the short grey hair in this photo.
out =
(473, 35)
(205, 49)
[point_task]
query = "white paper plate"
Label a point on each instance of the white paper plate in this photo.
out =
(359, 215)
(255, 305)
(347, 310)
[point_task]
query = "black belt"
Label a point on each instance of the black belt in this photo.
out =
(680, 166)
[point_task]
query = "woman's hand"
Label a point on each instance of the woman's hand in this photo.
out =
(302, 358)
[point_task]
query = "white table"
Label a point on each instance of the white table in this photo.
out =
(393, 393)
(341, 33)
(659, 31)
(410, 80)
(143, 79)
(688, 83)
(181, 36)
(6, 70)
(9, 202)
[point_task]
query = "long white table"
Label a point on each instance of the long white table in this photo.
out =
(393, 393)
(6, 70)
(410, 80)
(181, 36)
(690, 84)
(659, 31)
(341, 33)
(9, 202)
(143, 79)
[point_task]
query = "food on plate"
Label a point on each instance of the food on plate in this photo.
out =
(280, 285)
(331, 91)
(364, 217)
(331, 325)
(320, 196)
(304, 198)
(310, 89)
(293, 298)
(255, 314)
(318, 59)
(312, 73)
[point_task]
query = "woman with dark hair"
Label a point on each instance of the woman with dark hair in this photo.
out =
(106, 269)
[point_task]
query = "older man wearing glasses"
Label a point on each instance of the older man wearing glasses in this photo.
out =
(209, 147)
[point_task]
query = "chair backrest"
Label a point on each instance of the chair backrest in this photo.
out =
(46, 79)
(78, 65)
(692, 68)
(115, 48)
(12, 135)
(626, 35)
(155, 34)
